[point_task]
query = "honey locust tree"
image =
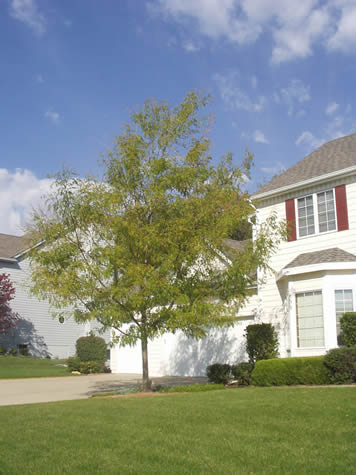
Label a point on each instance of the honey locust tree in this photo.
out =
(138, 250)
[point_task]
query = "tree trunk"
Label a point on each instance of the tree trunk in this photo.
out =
(146, 384)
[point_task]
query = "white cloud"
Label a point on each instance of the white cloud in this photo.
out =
(190, 47)
(344, 36)
(20, 192)
(260, 137)
(234, 96)
(278, 168)
(296, 26)
(39, 78)
(331, 108)
(294, 95)
(309, 140)
(52, 116)
(28, 13)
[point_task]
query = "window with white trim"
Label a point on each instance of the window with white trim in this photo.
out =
(316, 213)
(310, 319)
(343, 303)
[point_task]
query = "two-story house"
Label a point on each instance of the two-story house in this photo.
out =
(315, 270)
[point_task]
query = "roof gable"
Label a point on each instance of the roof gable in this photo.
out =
(10, 245)
(339, 154)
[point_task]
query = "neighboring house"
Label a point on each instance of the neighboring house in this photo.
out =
(36, 329)
(315, 270)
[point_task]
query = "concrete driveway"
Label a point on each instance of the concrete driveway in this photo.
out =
(28, 391)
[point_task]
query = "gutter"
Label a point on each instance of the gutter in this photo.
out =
(8, 259)
(301, 184)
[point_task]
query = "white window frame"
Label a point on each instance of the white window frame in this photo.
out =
(298, 347)
(343, 288)
(315, 214)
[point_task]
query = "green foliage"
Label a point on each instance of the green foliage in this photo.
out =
(3, 350)
(123, 250)
(219, 373)
(261, 342)
(191, 388)
(90, 367)
(242, 372)
(341, 365)
(91, 348)
(73, 363)
(13, 352)
(348, 328)
(290, 371)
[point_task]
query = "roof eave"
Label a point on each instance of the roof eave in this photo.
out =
(322, 266)
(10, 260)
(304, 183)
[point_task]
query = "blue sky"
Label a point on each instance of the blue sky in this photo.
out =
(282, 75)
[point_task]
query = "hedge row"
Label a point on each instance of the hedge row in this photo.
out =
(290, 371)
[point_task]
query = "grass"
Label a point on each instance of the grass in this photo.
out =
(12, 367)
(241, 431)
(191, 388)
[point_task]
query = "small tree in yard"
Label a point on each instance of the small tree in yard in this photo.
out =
(261, 342)
(138, 250)
(8, 318)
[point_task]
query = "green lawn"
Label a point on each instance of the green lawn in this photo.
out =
(252, 430)
(12, 367)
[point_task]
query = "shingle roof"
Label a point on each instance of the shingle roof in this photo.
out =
(330, 157)
(327, 255)
(11, 245)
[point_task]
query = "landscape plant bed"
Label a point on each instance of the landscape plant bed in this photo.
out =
(17, 367)
(262, 430)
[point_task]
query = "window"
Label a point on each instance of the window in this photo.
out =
(316, 213)
(310, 319)
(343, 303)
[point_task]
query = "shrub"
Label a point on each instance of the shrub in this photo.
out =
(191, 388)
(3, 350)
(348, 328)
(242, 372)
(219, 373)
(91, 348)
(73, 363)
(90, 367)
(13, 352)
(24, 351)
(105, 369)
(290, 371)
(261, 342)
(341, 365)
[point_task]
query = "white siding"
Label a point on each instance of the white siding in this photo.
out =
(36, 328)
(273, 304)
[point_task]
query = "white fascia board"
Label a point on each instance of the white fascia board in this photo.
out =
(25, 251)
(323, 266)
(8, 259)
(304, 183)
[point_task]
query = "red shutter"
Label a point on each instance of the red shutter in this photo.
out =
(341, 208)
(290, 217)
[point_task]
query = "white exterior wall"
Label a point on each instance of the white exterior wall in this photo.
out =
(274, 306)
(36, 328)
(177, 355)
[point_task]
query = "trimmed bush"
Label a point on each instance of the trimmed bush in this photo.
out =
(73, 363)
(290, 371)
(90, 367)
(242, 373)
(348, 328)
(261, 342)
(91, 348)
(219, 373)
(341, 365)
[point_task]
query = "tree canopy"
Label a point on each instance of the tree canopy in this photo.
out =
(140, 250)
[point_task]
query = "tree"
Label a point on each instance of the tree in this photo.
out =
(8, 318)
(139, 250)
